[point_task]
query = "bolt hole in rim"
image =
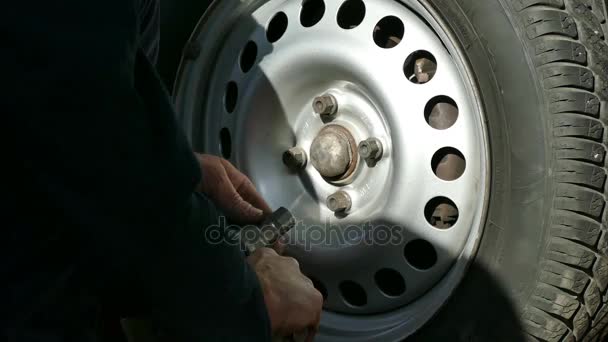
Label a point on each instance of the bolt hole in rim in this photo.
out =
(390, 282)
(312, 12)
(441, 212)
(232, 94)
(420, 121)
(248, 56)
(420, 67)
(351, 14)
(420, 254)
(389, 32)
(441, 112)
(225, 143)
(353, 293)
(448, 164)
(277, 27)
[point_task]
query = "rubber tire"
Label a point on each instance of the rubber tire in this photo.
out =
(541, 271)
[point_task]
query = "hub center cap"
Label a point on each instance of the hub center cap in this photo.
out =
(332, 151)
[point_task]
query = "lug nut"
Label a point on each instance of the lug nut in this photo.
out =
(325, 105)
(295, 158)
(339, 202)
(371, 150)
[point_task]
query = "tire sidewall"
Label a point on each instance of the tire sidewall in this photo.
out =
(487, 303)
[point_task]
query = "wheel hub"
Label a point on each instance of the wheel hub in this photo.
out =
(332, 153)
(388, 239)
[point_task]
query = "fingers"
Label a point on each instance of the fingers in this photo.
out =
(260, 254)
(264, 253)
(279, 246)
(245, 188)
(250, 194)
(294, 262)
(214, 176)
(242, 211)
(233, 205)
(231, 190)
(309, 282)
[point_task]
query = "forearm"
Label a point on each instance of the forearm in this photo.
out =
(193, 288)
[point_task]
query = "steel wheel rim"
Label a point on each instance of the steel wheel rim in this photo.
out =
(358, 90)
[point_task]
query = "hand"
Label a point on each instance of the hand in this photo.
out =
(293, 303)
(231, 190)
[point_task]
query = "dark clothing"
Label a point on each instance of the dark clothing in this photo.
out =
(148, 16)
(100, 185)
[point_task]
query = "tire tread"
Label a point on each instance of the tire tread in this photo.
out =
(567, 40)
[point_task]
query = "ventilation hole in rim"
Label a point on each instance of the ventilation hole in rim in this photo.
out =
(390, 282)
(231, 96)
(441, 112)
(420, 67)
(441, 212)
(420, 254)
(388, 32)
(225, 143)
(353, 293)
(276, 27)
(248, 56)
(448, 164)
(312, 12)
(351, 14)
(319, 286)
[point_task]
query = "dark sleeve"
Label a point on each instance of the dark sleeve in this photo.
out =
(149, 28)
(102, 163)
(244, 318)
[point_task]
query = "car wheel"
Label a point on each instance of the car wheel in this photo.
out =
(445, 157)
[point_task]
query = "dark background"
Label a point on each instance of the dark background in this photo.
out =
(178, 19)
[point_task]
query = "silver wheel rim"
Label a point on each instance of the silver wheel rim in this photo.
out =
(271, 111)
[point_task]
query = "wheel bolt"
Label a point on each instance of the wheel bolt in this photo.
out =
(371, 150)
(339, 202)
(295, 158)
(325, 105)
(424, 70)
